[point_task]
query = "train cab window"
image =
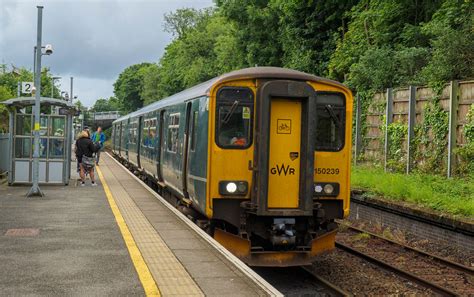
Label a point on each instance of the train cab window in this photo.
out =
(234, 117)
(173, 130)
(331, 121)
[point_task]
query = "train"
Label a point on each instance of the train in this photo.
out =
(259, 158)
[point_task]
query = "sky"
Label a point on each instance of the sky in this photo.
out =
(93, 41)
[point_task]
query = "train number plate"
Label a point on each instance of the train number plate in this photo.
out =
(326, 170)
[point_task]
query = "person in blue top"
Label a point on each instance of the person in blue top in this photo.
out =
(98, 137)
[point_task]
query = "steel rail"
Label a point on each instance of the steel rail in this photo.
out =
(441, 260)
(405, 274)
(327, 284)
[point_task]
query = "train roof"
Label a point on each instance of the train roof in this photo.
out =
(204, 88)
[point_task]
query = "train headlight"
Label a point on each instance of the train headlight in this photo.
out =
(326, 189)
(239, 188)
(231, 188)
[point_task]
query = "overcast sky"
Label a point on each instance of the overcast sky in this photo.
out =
(93, 40)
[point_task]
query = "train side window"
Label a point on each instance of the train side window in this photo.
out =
(331, 121)
(173, 133)
(145, 133)
(152, 134)
(234, 117)
(194, 131)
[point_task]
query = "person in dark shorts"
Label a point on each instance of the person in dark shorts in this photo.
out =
(85, 150)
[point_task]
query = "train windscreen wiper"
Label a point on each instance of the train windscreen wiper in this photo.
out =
(330, 110)
(230, 112)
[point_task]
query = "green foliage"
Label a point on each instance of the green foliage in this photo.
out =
(452, 42)
(129, 85)
(466, 152)
(397, 133)
(5, 94)
(308, 31)
(208, 50)
(448, 196)
(111, 104)
(184, 20)
(257, 25)
(469, 126)
(430, 143)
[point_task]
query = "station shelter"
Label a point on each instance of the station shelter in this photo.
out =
(55, 140)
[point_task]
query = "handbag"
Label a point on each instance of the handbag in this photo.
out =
(88, 161)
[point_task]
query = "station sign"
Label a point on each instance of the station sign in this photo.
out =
(26, 87)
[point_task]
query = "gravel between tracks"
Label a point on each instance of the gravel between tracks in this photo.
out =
(431, 246)
(362, 278)
(425, 267)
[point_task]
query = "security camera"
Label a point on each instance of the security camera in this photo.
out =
(48, 49)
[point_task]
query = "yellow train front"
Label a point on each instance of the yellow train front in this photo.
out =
(274, 147)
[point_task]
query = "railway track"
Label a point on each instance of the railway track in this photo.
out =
(440, 275)
(299, 281)
(332, 289)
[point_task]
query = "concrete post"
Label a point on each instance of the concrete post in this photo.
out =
(411, 127)
(388, 121)
(453, 122)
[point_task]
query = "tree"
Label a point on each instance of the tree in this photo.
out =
(102, 104)
(181, 21)
(151, 80)
(452, 41)
(5, 94)
(257, 30)
(207, 50)
(308, 32)
(129, 86)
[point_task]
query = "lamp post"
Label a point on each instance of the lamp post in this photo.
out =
(35, 190)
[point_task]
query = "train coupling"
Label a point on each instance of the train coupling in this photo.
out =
(282, 232)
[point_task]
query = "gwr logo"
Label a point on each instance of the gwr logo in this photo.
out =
(279, 169)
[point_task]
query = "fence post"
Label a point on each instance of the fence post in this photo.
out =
(388, 121)
(358, 129)
(411, 126)
(453, 122)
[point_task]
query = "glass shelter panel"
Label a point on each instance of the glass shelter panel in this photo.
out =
(23, 148)
(44, 126)
(56, 148)
(57, 126)
(23, 125)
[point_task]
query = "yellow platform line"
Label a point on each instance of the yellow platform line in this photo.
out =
(144, 273)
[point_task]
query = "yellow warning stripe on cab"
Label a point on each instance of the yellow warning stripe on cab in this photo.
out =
(144, 273)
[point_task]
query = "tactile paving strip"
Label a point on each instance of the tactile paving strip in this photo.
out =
(169, 274)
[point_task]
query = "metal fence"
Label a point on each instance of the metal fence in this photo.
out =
(4, 153)
(406, 107)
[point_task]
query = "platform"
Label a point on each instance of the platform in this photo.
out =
(117, 239)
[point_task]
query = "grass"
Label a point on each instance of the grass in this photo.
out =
(451, 196)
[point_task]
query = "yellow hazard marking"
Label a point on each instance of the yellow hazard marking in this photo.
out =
(37, 126)
(144, 273)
